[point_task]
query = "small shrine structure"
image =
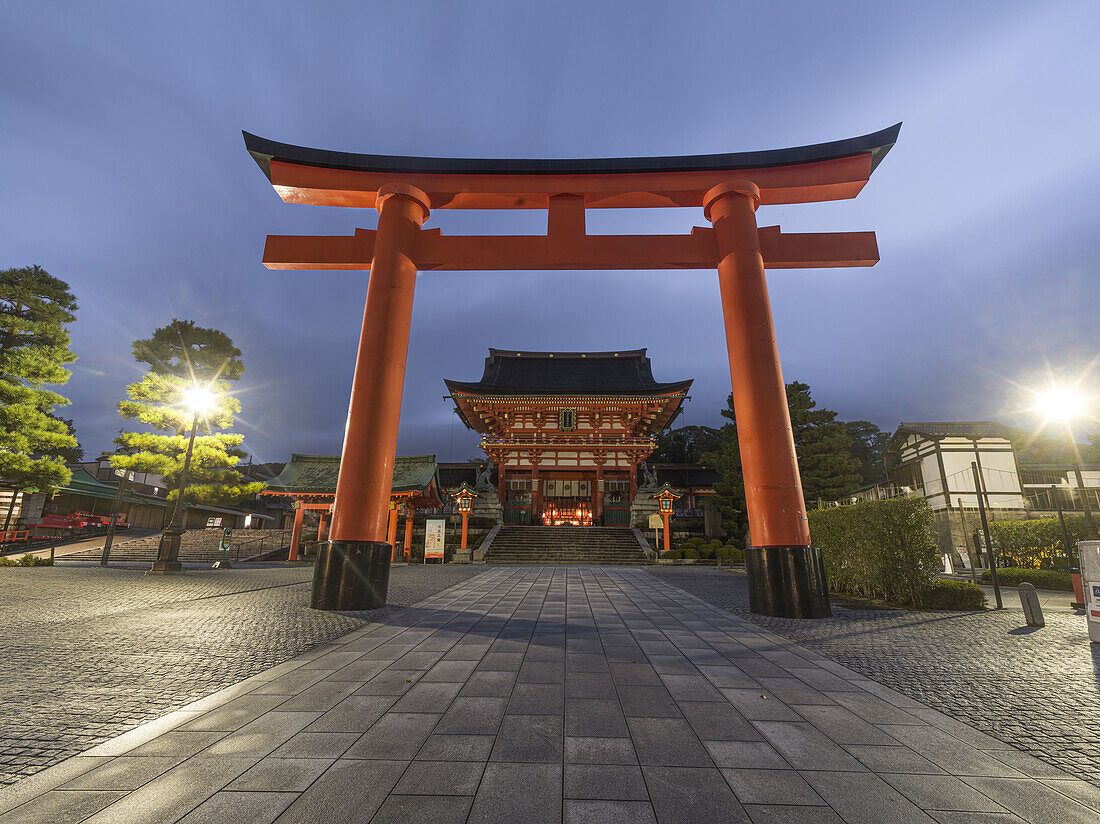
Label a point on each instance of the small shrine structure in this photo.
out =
(309, 481)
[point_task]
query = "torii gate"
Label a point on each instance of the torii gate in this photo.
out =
(786, 576)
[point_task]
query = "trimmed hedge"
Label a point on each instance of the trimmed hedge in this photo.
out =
(940, 594)
(27, 560)
(690, 553)
(1036, 543)
(1041, 578)
(672, 555)
(878, 549)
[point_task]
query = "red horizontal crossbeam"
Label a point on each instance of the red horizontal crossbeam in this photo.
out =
(697, 250)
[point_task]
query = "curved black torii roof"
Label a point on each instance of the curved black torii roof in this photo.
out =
(877, 144)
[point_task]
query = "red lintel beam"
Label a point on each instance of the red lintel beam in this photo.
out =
(478, 253)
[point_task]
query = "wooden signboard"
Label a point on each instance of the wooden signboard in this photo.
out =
(434, 533)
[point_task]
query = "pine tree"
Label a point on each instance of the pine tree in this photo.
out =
(181, 356)
(685, 445)
(35, 310)
(825, 464)
(868, 444)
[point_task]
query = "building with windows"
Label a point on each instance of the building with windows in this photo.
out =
(567, 430)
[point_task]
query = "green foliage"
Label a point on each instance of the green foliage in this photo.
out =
(1040, 578)
(35, 310)
(868, 443)
(705, 552)
(878, 549)
(828, 469)
(737, 555)
(27, 560)
(691, 554)
(685, 445)
(723, 553)
(181, 356)
(1037, 543)
(963, 595)
(672, 555)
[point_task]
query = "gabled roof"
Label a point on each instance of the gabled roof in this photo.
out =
(508, 372)
(317, 474)
(950, 429)
(86, 484)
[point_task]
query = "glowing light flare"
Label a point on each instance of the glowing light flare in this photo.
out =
(1060, 403)
(199, 400)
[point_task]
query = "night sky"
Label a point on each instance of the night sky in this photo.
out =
(122, 171)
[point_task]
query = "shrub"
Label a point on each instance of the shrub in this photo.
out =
(878, 549)
(737, 555)
(715, 542)
(691, 543)
(672, 555)
(27, 560)
(706, 552)
(1036, 543)
(723, 553)
(1041, 578)
(691, 554)
(940, 594)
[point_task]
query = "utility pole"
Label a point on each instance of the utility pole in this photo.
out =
(980, 490)
(123, 477)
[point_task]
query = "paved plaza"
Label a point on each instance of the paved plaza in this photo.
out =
(1038, 689)
(87, 652)
(537, 694)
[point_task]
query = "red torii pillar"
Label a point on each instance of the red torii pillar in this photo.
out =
(786, 571)
(353, 568)
(410, 510)
(296, 531)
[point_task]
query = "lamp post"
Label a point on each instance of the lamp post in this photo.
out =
(464, 498)
(1064, 404)
(664, 505)
(198, 400)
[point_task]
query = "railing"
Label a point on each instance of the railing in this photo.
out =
(557, 440)
(255, 546)
(12, 535)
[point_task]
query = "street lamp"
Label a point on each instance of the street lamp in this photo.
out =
(1064, 403)
(464, 497)
(198, 400)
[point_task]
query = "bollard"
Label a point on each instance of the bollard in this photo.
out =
(1029, 600)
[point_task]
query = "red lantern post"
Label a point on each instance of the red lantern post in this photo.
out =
(464, 498)
(664, 505)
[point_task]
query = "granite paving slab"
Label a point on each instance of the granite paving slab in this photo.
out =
(650, 731)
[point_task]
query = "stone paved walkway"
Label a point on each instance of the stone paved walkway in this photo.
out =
(1038, 689)
(87, 653)
(537, 694)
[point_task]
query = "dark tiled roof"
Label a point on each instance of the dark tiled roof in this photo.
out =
(686, 475)
(317, 474)
(876, 144)
(959, 429)
(453, 474)
(568, 373)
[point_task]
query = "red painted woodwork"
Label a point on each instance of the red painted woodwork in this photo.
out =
(296, 533)
(370, 441)
(561, 250)
(836, 179)
(773, 489)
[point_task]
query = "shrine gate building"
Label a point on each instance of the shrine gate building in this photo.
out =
(567, 430)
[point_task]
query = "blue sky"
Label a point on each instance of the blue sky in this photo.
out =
(122, 171)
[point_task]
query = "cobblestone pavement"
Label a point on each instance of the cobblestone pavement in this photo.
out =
(87, 653)
(548, 694)
(1036, 689)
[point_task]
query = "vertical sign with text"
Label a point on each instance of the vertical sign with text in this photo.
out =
(434, 533)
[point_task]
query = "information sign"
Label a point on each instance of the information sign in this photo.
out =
(434, 533)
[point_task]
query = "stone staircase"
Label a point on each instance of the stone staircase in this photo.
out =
(565, 545)
(196, 546)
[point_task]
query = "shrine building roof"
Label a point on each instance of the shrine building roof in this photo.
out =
(626, 372)
(317, 474)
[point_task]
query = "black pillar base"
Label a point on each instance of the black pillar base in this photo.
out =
(164, 568)
(351, 575)
(787, 582)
